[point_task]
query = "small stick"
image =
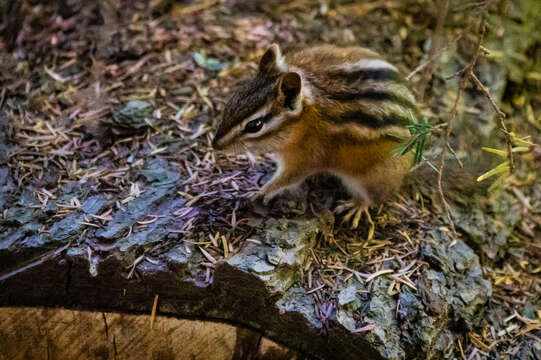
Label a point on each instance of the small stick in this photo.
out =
(501, 117)
(435, 47)
(153, 313)
(465, 74)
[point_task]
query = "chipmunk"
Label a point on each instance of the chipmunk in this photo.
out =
(324, 109)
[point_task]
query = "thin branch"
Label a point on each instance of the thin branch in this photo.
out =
(464, 76)
(430, 60)
(435, 47)
(3, 96)
(442, 155)
(468, 74)
(485, 91)
(438, 54)
(501, 117)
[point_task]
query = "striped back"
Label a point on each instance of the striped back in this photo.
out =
(352, 89)
(354, 85)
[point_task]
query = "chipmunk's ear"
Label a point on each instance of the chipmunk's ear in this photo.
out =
(271, 60)
(290, 88)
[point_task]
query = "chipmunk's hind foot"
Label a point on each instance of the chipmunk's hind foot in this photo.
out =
(354, 210)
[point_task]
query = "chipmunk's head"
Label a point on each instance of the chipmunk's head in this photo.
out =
(257, 116)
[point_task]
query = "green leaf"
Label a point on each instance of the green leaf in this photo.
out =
(502, 168)
(419, 150)
(521, 141)
(495, 151)
(409, 145)
(520, 149)
(496, 184)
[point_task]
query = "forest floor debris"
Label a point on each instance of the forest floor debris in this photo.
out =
(110, 109)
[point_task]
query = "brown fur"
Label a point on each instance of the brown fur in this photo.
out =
(312, 147)
(346, 127)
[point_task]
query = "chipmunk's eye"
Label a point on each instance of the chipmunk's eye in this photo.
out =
(254, 126)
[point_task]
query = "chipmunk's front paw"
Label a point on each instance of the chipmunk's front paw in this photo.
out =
(268, 196)
(261, 195)
(268, 192)
(254, 196)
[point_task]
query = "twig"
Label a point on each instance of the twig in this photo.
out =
(3, 96)
(435, 47)
(430, 60)
(368, 327)
(41, 259)
(434, 57)
(153, 313)
(465, 73)
(442, 155)
(501, 117)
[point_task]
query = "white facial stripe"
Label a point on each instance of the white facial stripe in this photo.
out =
(367, 64)
(230, 135)
(306, 95)
(259, 113)
(273, 123)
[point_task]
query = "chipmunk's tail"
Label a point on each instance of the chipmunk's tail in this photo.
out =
(458, 182)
